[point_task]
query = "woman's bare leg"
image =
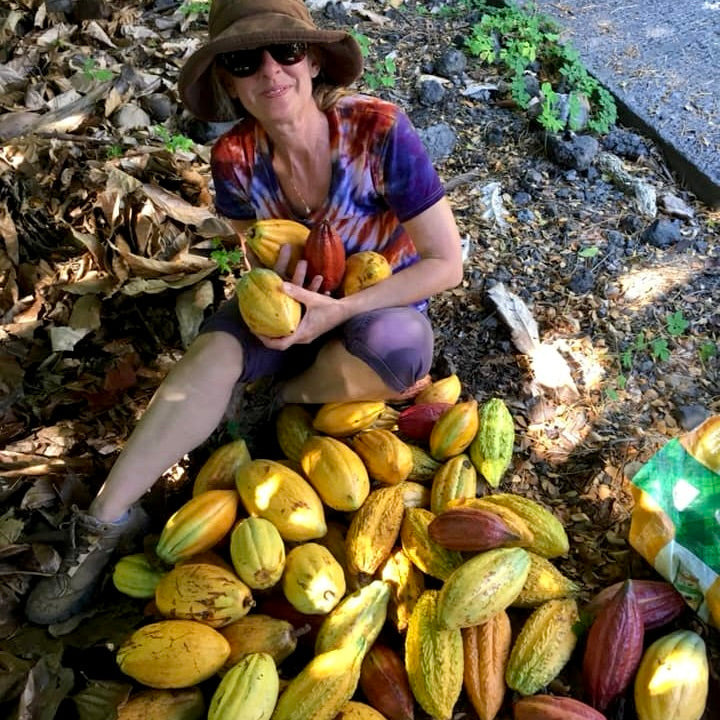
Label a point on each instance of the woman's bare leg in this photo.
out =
(185, 410)
(337, 376)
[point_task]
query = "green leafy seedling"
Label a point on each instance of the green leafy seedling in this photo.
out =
(676, 323)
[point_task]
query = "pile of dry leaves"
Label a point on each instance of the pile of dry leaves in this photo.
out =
(106, 237)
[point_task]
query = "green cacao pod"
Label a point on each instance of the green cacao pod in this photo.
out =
(249, 691)
(257, 552)
(492, 447)
(135, 576)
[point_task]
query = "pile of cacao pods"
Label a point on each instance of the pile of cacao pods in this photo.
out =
(376, 571)
(264, 306)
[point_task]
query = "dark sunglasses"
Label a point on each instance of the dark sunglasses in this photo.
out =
(244, 63)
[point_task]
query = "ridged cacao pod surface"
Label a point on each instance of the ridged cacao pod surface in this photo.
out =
(613, 648)
(186, 704)
(553, 707)
(248, 691)
(198, 525)
(325, 255)
(264, 306)
(266, 237)
(205, 593)
(673, 677)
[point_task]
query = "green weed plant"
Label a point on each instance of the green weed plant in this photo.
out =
(521, 40)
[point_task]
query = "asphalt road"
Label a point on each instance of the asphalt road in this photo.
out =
(660, 60)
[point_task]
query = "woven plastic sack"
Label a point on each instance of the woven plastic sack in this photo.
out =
(675, 523)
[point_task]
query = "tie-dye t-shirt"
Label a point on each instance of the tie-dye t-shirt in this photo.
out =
(381, 176)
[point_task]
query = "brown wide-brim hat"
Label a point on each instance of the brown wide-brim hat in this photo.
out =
(247, 24)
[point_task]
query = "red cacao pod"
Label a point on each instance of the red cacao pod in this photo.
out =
(471, 529)
(384, 681)
(658, 600)
(614, 648)
(325, 255)
(416, 422)
(550, 707)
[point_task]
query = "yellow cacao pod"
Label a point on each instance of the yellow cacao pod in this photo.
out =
(543, 647)
(363, 270)
(186, 704)
(257, 552)
(323, 686)
(544, 582)
(173, 654)
(341, 419)
(407, 584)
(264, 306)
(293, 427)
(482, 586)
(248, 691)
(430, 557)
(198, 525)
(266, 237)
(673, 677)
(374, 530)
(135, 576)
(456, 478)
(492, 447)
(454, 430)
(353, 710)
(445, 390)
(313, 581)
(387, 458)
(259, 633)
(360, 614)
(433, 659)
(218, 471)
(336, 471)
(273, 491)
(206, 593)
(424, 465)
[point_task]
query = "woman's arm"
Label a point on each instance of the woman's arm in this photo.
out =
(437, 239)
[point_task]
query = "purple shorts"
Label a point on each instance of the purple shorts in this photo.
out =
(397, 343)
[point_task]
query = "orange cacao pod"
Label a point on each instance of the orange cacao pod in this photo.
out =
(384, 681)
(325, 255)
(486, 649)
(659, 601)
(472, 529)
(614, 648)
(416, 421)
(550, 707)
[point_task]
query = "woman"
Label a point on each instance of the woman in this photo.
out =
(303, 150)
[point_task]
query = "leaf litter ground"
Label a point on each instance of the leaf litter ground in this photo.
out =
(106, 273)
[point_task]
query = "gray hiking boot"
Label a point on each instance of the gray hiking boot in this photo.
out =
(90, 546)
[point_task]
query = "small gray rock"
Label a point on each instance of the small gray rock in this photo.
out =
(662, 233)
(690, 416)
(159, 106)
(451, 62)
(574, 152)
(439, 141)
(430, 92)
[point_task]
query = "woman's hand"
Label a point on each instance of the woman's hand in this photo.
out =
(322, 314)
